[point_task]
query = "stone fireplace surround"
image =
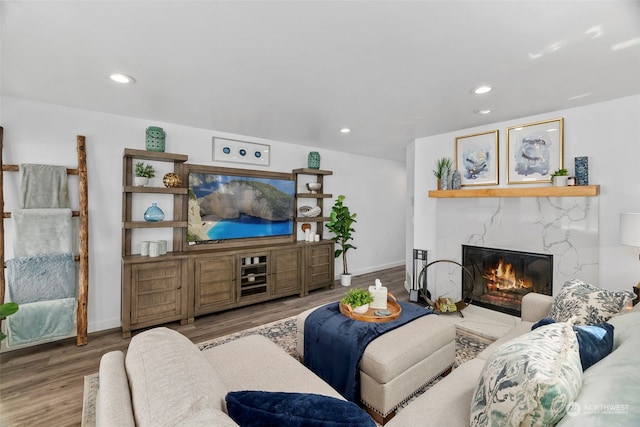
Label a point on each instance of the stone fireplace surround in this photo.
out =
(565, 227)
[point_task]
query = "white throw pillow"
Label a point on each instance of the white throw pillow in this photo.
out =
(530, 380)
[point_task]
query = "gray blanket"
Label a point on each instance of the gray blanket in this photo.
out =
(43, 186)
(41, 321)
(41, 231)
(41, 278)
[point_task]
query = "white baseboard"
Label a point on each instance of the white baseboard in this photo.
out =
(371, 269)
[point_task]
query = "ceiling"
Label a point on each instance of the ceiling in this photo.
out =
(298, 71)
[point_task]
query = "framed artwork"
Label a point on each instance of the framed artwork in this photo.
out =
(534, 151)
(477, 158)
(229, 150)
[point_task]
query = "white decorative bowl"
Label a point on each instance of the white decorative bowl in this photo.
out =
(309, 211)
(313, 187)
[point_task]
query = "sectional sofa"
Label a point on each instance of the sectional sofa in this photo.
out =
(164, 380)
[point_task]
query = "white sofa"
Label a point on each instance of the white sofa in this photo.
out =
(164, 380)
(608, 395)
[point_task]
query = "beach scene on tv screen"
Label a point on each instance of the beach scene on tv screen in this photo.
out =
(225, 207)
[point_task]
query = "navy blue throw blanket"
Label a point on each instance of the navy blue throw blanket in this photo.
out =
(334, 344)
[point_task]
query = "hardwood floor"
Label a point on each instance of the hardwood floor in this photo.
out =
(43, 385)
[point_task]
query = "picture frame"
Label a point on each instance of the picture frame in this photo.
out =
(229, 150)
(535, 151)
(477, 158)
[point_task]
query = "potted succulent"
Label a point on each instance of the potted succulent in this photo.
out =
(443, 167)
(143, 173)
(7, 309)
(560, 177)
(358, 299)
(341, 224)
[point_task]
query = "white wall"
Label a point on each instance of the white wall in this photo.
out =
(606, 132)
(44, 133)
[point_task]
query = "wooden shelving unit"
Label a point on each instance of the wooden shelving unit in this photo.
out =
(318, 197)
(154, 290)
(573, 191)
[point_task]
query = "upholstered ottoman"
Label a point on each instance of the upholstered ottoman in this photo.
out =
(397, 364)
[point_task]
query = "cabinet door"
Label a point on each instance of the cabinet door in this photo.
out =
(214, 282)
(157, 292)
(319, 268)
(286, 272)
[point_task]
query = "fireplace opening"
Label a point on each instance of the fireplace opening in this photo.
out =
(502, 277)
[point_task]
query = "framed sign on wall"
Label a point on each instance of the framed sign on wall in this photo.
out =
(229, 150)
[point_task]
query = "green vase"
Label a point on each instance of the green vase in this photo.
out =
(314, 160)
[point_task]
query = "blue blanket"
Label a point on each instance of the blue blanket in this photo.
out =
(334, 344)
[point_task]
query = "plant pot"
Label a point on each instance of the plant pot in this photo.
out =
(362, 309)
(140, 181)
(345, 279)
(560, 181)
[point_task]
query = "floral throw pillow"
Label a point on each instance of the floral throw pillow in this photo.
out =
(580, 303)
(530, 380)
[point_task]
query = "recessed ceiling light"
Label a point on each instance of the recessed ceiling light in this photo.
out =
(122, 78)
(482, 89)
(345, 130)
(485, 111)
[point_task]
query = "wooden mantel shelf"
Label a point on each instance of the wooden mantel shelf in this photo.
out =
(573, 191)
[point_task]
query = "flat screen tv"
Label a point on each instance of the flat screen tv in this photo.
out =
(237, 205)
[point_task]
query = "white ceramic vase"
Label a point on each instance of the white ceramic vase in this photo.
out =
(345, 279)
(140, 181)
(362, 309)
(560, 181)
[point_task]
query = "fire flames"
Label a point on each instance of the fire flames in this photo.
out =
(503, 278)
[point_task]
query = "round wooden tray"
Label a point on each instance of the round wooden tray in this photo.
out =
(369, 316)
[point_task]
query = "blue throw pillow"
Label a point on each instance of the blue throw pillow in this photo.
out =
(595, 341)
(274, 409)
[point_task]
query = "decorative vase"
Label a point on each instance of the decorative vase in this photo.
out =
(445, 180)
(361, 309)
(345, 279)
(153, 213)
(582, 170)
(155, 137)
(314, 160)
(456, 180)
(140, 181)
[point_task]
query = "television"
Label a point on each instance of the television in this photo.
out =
(228, 206)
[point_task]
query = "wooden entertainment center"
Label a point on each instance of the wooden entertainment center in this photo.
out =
(187, 283)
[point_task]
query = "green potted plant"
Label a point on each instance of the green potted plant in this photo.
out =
(341, 225)
(143, 172)
(7, 309)
(358, 299)
(443, 166)
(559, 177)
